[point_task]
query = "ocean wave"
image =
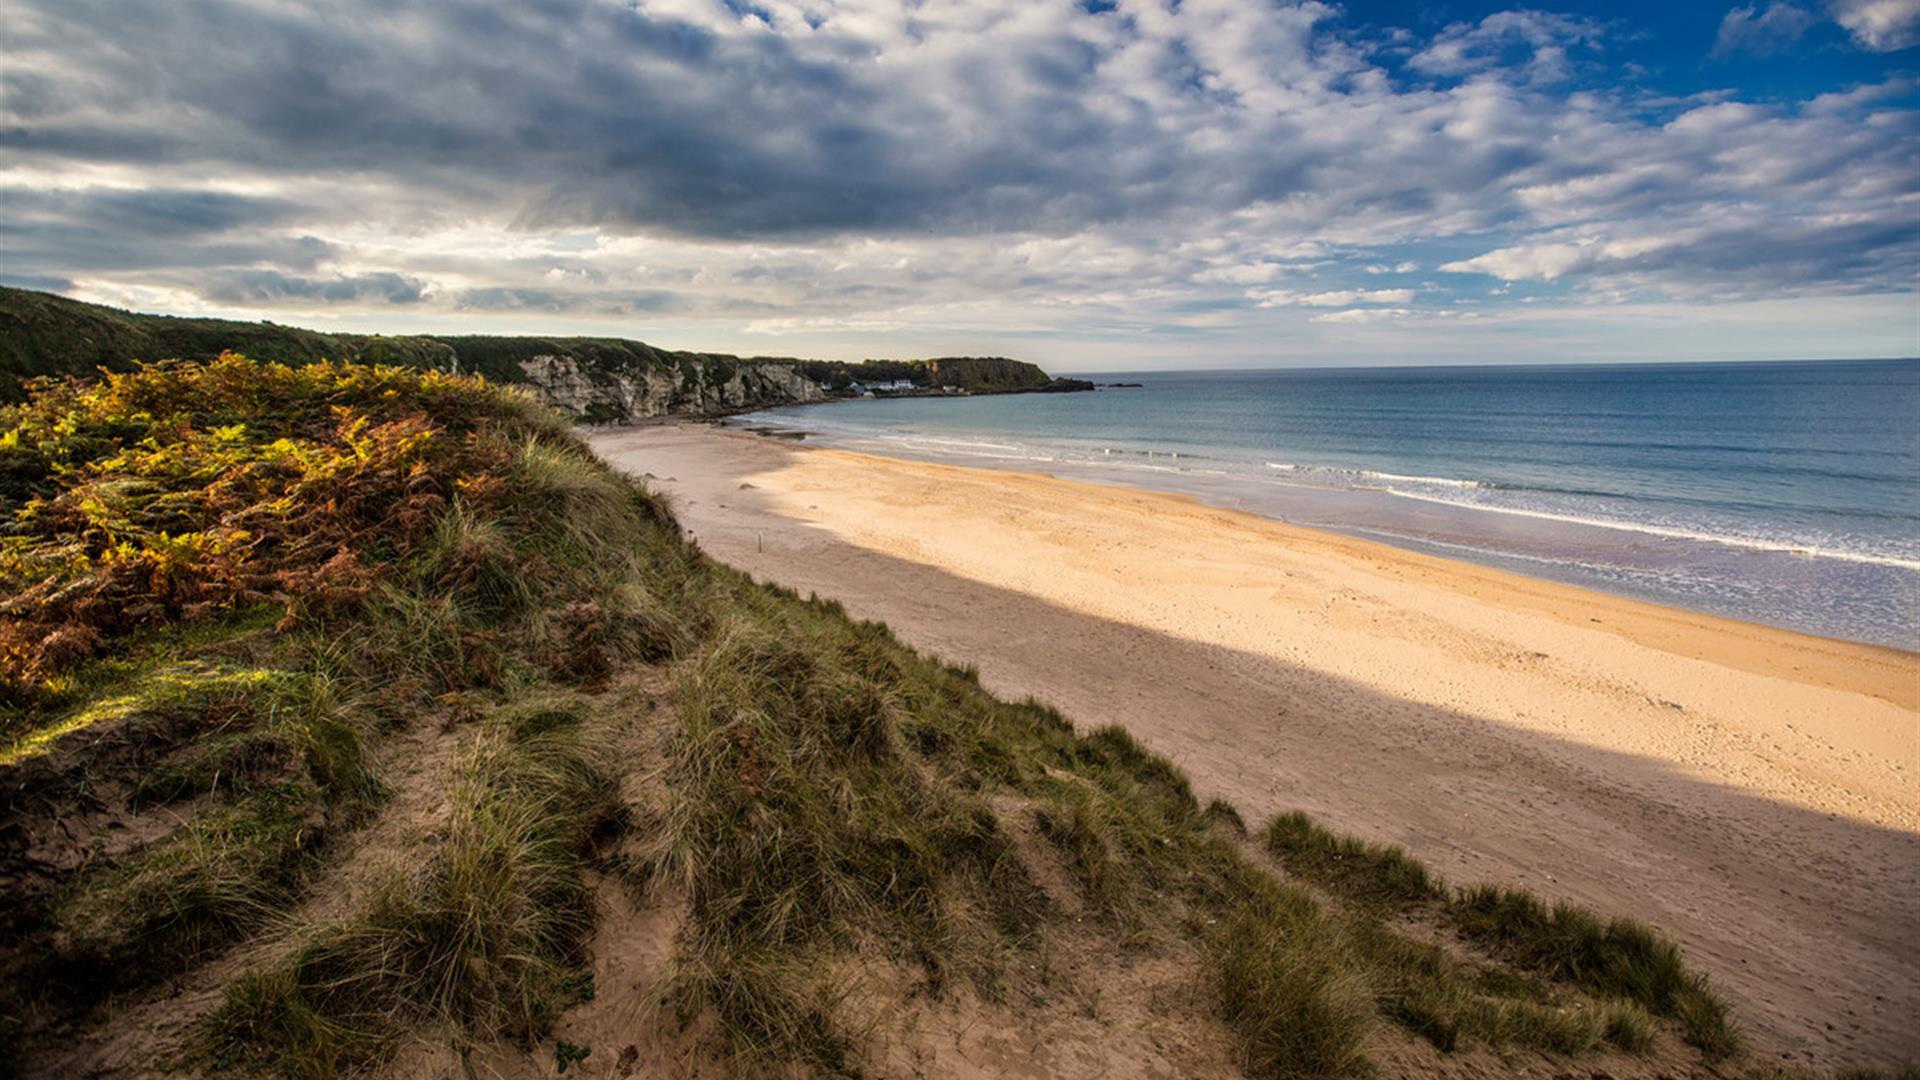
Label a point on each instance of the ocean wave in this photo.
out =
(1183, 470)
(1438, 481)
(1786, 547)
(912, 439)
(1489, 551)
(1371, 474)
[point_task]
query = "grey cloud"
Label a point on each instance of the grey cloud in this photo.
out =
(1762, 33)
(1253, 125)
(164, 213)
(1732, 259)
(150, 211)
(580, 112)
(619, 117)
(597, 302)
(271, 286)
(120, 229)
(41, 282)
(1783, 257)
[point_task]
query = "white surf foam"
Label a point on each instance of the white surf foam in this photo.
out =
(1672, 533)
(1437, 481)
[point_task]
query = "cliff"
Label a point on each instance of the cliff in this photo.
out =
(699, 386)
(594, 379)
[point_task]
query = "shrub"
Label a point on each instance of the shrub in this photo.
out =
(178, 491)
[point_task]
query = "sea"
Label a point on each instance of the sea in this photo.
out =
(1785, 493)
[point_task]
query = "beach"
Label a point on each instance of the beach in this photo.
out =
(1749, 790)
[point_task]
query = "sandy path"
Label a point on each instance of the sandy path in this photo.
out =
(1750, 790)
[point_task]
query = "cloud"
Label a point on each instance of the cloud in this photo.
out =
(270, 286)
(1762, 33)
(1879, 25)
(854, 166)
(1698, 261)
(1548, 261)
(1241, 274)
(1533, 42)
(1874, 25)
(598, 302)
(1360, 316)
(63, 231)
(1332, 298)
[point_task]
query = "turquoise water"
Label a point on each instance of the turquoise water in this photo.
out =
(1785, 493)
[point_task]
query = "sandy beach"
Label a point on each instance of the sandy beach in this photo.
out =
(1752, 791)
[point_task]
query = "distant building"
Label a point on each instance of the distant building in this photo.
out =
(879, 386)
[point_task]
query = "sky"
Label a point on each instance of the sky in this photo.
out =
(1089, 184)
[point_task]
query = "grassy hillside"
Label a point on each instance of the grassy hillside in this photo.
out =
(44, 334)
(352, 715)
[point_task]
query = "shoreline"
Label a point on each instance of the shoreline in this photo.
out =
(1692, 532)
(1896, 671)
(1749, 790)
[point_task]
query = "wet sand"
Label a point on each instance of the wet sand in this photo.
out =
(1750, 790)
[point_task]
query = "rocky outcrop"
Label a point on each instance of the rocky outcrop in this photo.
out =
(691, 386)
(985, 374)
(1065, 386)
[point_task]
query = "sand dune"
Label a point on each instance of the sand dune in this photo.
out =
(1750, 790)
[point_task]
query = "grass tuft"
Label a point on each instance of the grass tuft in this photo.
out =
(798, 822)
(486, 938)
(1226, 815)
(1080, 825)
(1615, 957)
(1289, 990)
(1630, 1027)
(226, 871)
(1420, 987)
(1367, 873)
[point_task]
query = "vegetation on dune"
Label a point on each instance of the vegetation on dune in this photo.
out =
(830, 787)
(799, 823)
(1365, 873)
(285, 765)
(485, 938)
(229, 581)
(1616, 958)
(42, 334)
(238, 580)
(177, 493)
